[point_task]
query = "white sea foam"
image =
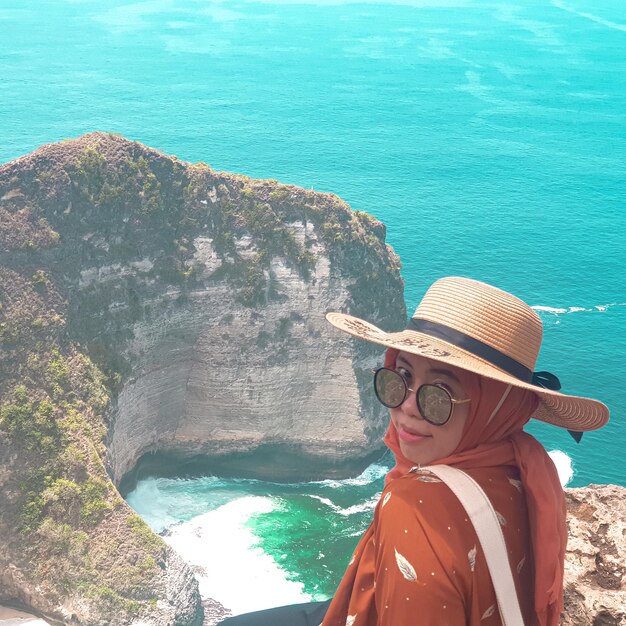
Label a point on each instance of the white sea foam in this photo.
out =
(563, 466)
(148, 499)
(370, 475)
(604, 307)
(590, 16)
(361, 507)
(368, 505)
(325, 501)
(601, 308)
(229, 565)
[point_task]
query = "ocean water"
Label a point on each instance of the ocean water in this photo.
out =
(282, 543)
(490, 137)
(290, 539)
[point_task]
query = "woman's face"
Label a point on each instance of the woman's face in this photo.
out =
(420, 441)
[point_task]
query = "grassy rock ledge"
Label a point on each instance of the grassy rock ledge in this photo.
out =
(149, 305)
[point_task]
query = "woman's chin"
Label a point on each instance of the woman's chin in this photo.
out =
(418, 452)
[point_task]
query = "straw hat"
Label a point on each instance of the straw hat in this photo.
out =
(488, 331)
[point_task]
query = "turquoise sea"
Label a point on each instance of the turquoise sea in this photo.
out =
(490, 137)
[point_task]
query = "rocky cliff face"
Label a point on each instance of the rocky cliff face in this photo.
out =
(152, 305)
(595, 565)
(212, 377)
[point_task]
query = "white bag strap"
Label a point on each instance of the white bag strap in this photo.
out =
(480, 510)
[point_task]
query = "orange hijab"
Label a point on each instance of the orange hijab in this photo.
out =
(501, 441)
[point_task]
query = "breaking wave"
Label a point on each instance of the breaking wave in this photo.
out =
(374, 472)
(563, 466)
(224, 554)
(363, 507)
(599, 308)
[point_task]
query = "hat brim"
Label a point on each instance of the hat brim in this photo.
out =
(566, 411)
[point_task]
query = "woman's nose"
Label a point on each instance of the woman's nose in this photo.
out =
(409, 405)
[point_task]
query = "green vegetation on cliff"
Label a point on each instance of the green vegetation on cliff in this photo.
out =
(68, 213)
(52, 417)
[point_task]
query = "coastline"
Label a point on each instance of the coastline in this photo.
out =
(14, 617)
(594, 567)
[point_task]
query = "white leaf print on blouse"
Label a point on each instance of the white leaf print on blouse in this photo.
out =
(521, 564)
(489, 612)
(350, 620)
(406, 569)
(516, 483)
(501, 518)
(386, 498)
(471, 557)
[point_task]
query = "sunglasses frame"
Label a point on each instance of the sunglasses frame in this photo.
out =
(407, 390)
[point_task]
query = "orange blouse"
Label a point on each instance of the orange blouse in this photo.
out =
(420, 562)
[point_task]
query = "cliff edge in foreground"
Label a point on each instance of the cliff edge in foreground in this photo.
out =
(148, 305)
(595, 563)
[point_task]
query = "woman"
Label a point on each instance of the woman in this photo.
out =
(460, 386)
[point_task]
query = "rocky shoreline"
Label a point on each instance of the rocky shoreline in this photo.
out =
(14, 617)
(595, 567)
(274, 463)
(595, 562)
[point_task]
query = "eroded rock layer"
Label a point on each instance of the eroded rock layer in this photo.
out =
(595, 565)
(147, 305)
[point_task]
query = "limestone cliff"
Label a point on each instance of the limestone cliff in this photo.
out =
(146, 305)
(595, 564)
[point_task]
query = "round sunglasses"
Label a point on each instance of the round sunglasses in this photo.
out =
(434, 402)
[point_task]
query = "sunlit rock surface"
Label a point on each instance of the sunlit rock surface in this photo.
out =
(149, 305)
(595, 567)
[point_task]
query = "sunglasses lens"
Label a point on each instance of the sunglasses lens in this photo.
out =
(434, 404)
(389, 387)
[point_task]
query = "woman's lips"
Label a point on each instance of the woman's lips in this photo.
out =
(405, 435)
